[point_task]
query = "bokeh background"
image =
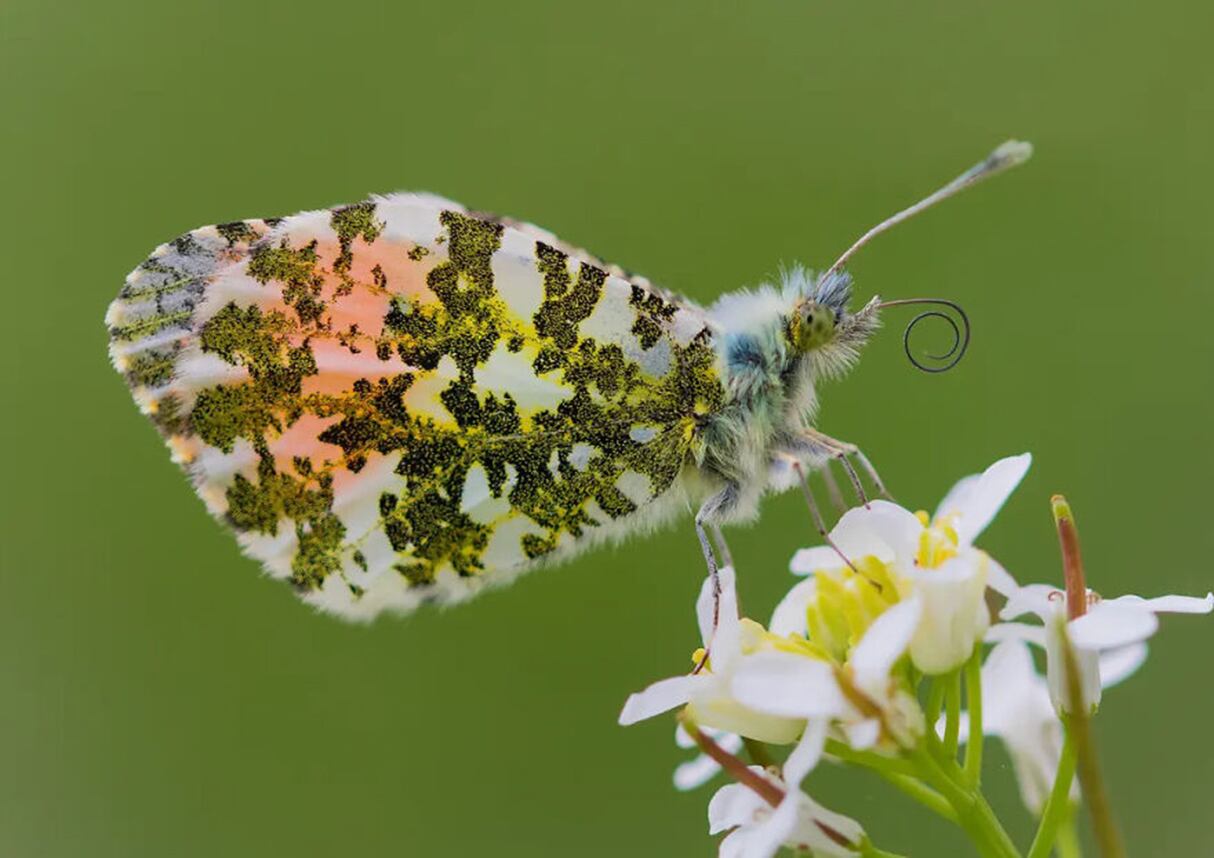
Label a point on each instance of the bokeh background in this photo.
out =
(160, 698)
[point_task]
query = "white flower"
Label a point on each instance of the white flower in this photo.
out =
(863, 696)
(702, 768)
(799, 822)
(933, 562)
(1016, 707)
(706, 693)
(1108, 626)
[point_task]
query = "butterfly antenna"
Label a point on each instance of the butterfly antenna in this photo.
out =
(961, 332)
(1010, 154)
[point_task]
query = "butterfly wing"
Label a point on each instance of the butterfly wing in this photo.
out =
(399, 401)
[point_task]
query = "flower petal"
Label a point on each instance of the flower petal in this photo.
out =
(733, 805)
(851, 831)
(1035, 759)
(975, 503)
(789, 617)
(1015, 632)
(793, 686)
(702, 768)
(884, 643)
(958, 497)
(696, 772)
(770, 835)
(1170, 604)
(883, 529)
(862, 735)
(1040, 599)
(806, 754)
(662, 696)
(1086, 659)
(736, 844)
(713, 615)
(1112, 624)
(955, 615)
(1014, 693)
(999, 579)
(1118, 665)
(807, 561)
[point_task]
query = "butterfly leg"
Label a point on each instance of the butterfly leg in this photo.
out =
(815, 513)
(705, 520)
(718, 538)
(842, 452)
(832, 491)
(872, 473)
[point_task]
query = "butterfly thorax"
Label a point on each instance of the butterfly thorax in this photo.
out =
(774, 346)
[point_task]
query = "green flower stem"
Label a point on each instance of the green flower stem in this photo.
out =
(1058, 806)
(1079, 724)
(869, 760)
(962, 802)
(973, 695)
(952, 726)
(991, 823)
(898, 772)
(1067, 845)
(923, 794)
(948, 764)
(867, 850)
(973, 813)
(935, 700)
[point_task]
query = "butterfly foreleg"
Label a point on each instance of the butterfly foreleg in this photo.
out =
(817, 445)
(814, 512)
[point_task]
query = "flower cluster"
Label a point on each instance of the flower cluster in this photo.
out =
(863, 662)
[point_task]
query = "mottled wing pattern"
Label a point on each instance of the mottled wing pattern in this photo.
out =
(399, 401)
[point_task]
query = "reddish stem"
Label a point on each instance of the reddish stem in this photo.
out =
(740, 772)
(1072, 559)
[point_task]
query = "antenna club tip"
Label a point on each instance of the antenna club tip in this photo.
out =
(1012, 152)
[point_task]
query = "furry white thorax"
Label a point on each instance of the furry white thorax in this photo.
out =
(771, 386)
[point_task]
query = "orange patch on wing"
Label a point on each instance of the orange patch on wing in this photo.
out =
(337, 368)
(367, 305)
(356, 317)
(302, 440)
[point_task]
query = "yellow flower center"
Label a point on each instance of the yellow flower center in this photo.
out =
(846, 603)
(755, 638)
(937, 543)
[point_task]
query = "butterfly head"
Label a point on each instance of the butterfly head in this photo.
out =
(820, 325)
(818, 311)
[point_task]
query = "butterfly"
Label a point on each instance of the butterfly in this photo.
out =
(404, 401)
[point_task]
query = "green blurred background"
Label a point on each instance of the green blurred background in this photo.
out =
(161, 698)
